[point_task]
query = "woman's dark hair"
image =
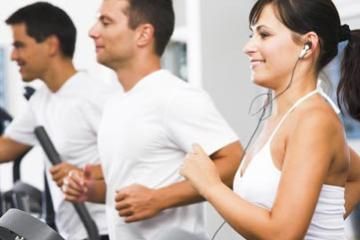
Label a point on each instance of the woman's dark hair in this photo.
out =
(322, 17)
(348, 91)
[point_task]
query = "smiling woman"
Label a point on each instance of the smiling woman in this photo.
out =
(291, 183)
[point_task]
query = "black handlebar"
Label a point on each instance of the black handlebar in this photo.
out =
(54, 157)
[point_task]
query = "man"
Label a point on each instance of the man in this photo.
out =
(69, 105)
(146, 133)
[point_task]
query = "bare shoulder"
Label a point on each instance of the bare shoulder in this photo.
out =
(318, 130)
(318, 119)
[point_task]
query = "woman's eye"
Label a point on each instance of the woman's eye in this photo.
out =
(104, 23)
(264, 35)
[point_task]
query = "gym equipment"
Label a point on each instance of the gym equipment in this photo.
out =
(5, 119)
(22, 196)
(18, 225)
(355, 220)
(54, 158)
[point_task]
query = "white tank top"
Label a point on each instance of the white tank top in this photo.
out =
(260, 182)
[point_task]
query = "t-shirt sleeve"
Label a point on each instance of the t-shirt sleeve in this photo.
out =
(21, 129)
(191, 117)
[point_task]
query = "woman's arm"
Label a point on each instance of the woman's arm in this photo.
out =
(352, 187)
(302, 176)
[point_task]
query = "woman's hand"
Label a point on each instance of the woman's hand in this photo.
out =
(200, 170)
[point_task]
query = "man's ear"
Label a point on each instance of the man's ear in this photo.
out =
(145, 34)
(53, 45)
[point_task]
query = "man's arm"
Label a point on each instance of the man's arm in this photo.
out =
(227, 161)
(138, 202)
(11, 150)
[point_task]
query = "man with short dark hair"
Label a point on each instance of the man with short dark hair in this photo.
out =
(69, 105)
(146, 133)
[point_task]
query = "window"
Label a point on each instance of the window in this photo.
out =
(332, 72)
(175, 59)
(2, 76)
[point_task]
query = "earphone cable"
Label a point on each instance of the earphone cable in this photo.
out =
(263, 109)
(268, 103)
(242, 156)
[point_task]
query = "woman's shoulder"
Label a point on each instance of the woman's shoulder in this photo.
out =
(318, 117)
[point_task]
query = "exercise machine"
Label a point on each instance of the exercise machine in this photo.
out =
(54, 157)
(18, 225)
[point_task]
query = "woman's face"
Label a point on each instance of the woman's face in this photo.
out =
(272, 51)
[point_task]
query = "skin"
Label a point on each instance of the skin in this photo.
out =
(273, 53)
(60, 171)
(130, 53)
(37, 60)
(352, 187)
(87, 185)
(29, 55)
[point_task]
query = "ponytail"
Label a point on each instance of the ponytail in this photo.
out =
(348, 91)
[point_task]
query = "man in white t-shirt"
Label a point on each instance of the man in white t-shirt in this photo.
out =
(69, 105)
(146, 132)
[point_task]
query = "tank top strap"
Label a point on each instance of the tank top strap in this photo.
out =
(293, 107)
(327, 98)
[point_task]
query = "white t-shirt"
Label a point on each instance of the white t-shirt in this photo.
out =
(143, 138)
(71, 117)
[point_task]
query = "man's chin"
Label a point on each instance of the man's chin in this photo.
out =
(27, 79)
(103, 62)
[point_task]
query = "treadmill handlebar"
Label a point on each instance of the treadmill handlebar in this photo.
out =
(47, 145)
(55, 159)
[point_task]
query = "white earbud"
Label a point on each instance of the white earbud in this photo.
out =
(306, 48)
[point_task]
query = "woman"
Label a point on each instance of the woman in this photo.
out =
(291, 183)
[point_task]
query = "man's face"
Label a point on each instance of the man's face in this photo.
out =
(30, 56)
(115, 42)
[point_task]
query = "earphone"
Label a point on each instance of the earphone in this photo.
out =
(306, 48)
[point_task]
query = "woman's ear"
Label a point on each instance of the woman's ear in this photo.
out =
(311, 44)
